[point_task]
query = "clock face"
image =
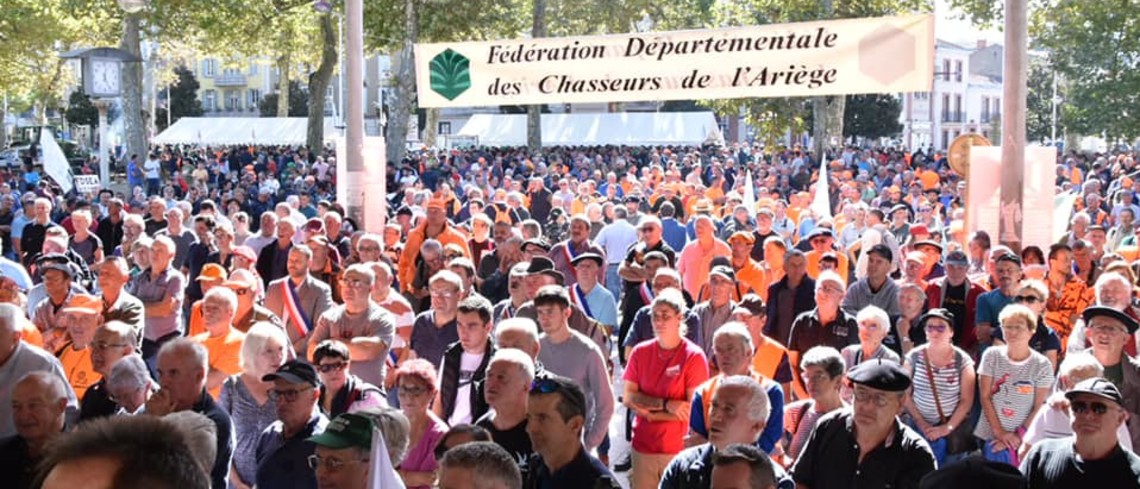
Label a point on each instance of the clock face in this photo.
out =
(105, 77)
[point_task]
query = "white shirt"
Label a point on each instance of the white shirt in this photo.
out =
(152, 168)
(468, 364)
(616, 238)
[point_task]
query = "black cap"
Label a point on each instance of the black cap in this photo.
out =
(974, 472)
(588, 256)
(295, 372)
(636, 199)
(1125, 319)
(539, 264)
(959, 258)
(939, 313)
(404, 211)
(882, 375)
(883, 251)
(1097, 386)
(723, 271)
(1009, 257)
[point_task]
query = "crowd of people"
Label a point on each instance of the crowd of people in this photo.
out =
(519, 317)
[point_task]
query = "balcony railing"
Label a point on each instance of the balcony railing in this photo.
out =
(230, 80)
(953, 117)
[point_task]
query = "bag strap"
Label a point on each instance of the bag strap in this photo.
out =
(933, 388)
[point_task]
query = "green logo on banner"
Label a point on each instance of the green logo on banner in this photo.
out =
(450, 74)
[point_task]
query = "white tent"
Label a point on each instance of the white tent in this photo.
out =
(219, 131)
(594, 129)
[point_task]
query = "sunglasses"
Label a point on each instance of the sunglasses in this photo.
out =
(1027, 299)
(1098, 408)
(330, 367)
(936, 328)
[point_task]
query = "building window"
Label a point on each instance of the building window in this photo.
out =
(945, 107)
(233, 100)
(209, 67)
(958, 71)
(985, 110)
(958, 108)
(946, 70)
(945, 139)
(444, 127)
(254, 97)
(210, 100)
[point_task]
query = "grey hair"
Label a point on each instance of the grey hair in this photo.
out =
(52, 383)
(186, 346)
(224, 294)
(201, 436)
(826, 358)
(520, 324)
(518, 358)
(875, 314)
(738, 331)
(255, 340)
(758, 407)
(1109, 277)
(130, 372)
(11, 318)
(395, 427)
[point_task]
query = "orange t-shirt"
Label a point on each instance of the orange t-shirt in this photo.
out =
(77, 366)
(224, 352)
(197, 321)
(930, 180)
(813, 264)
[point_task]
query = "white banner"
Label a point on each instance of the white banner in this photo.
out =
(872, 55)
(86, 184)
(983, 207)
(55, 162)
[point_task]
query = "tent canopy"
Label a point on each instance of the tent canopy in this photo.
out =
(219, 131)
(597, 129)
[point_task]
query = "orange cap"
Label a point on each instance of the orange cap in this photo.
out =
(84, 303)
(212, 272)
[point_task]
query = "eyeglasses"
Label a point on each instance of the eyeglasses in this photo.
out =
(330, 464)
(876, 398)
(354, 283)
(1027, 299)
(1106, 329)
(331, 367)
(1081, 407)
(288, 395)
(103, 345)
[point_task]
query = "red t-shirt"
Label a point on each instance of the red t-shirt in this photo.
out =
(668, 374)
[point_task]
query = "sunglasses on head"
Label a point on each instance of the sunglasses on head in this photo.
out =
(544, 385)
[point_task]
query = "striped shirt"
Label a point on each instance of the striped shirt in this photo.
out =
(947, 380)
(1013, 388)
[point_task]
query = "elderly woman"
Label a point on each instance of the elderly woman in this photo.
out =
(342, 392)
(661, 378)
(394, 426)
(1034, 294)
(130, 385)
(87, 245)
(1013, 382)
(416, 387)
(1053, 421)
(245, 396)
(133, 229)
(874, 326)
(822, 370)
(943, 380)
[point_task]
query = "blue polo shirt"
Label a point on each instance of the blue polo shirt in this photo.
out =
(990, 305)
(284, 462)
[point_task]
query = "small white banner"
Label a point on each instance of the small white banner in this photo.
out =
(871, 55)
(55, 162)
(86, 184)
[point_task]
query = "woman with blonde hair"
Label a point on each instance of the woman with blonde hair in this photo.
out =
(1034, 294)
(245, 396)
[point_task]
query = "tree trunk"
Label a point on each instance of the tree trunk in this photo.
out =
(431, 127)
(402, 102)
(319, 83)
(827, 122)
(133, 124)
(534, 112)
(283, 67)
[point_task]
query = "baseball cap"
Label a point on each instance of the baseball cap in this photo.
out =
(295, 372)
(1099, 387)
(344, 431)
(742, 236)
(84, 303)
(723, 271)
(959, 258)
(212, 272)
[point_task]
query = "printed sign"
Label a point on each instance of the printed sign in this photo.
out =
(86, 184)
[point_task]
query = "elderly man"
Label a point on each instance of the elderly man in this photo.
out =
(791, 296)
(57, 279)
(478, 465)
(1093, 456)
(182, 368)
(283, 449)
(556, 412)
(571, 354)
(18, 358)
(161, 289)
(221, 339)
(39, 403)
(1111, 290)
(695, 260)
(1109, 329)
(464, 363)
(596, 301)
(272, 260)
(867, 446)
(112, 341)
(741, 466)
(717, 310)
(826, 325)
(34, 232)
(509, 376)
(130, 383)
(366, 327)
(118, 304)
(642, 327)
(436, 227)
(738, 413)
(435, 329)
(564, 254)
(732, 345)
(298, 298)
(518, 294)
(957, 294)
(267, 233)
(81, 316)
(244, 284)
(182, 237)
(342, 454)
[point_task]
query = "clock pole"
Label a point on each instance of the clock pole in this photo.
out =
(102, 105)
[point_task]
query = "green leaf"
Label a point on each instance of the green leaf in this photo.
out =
(450, 74)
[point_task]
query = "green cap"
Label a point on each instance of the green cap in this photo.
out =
(346, 430)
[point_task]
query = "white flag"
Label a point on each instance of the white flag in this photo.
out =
(55, 162)
(749, 197)
(821, 204)
(383, 475)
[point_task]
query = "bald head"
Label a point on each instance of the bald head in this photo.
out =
(519, 333)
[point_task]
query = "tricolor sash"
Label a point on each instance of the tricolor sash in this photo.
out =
(578, 297)
(568, 250)
(293, 308)
(646, 293)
